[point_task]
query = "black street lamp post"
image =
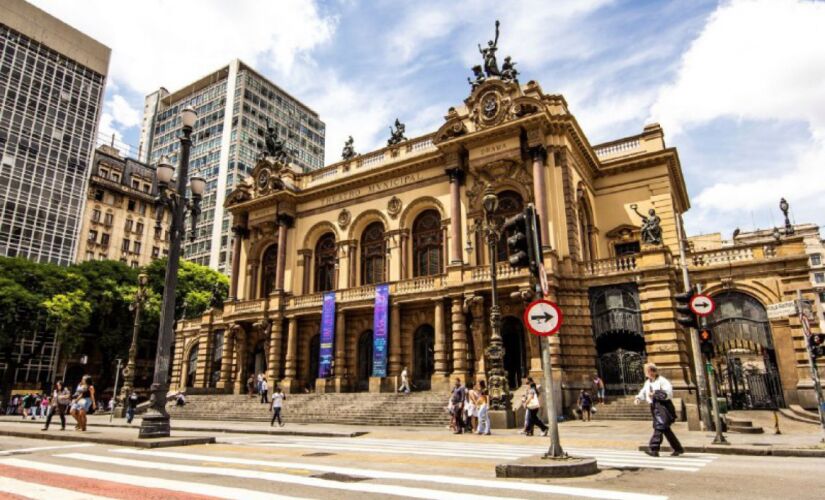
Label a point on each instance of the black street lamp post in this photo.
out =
(129, 371)
(155, 422)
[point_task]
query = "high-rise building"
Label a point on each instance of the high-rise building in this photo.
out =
(228, 136)
(119, 220)
(52, 78)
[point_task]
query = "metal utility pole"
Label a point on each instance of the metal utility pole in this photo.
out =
(114, 392)
(717, 418)
(701, 380)
(812, 364)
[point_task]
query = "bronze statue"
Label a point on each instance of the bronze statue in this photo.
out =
(489, 55)
(397, 135)
(479, 77)
(651, 226)
(274, 146)
(508, 70)
(349, 152)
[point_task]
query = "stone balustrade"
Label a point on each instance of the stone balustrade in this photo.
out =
(414, 285)
(247, 306)
(310, 300)
(356, 294)
(618, 147)
(721, 256)
(612, 265)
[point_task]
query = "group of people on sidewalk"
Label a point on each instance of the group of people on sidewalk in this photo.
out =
(78, 404)
(469, 409)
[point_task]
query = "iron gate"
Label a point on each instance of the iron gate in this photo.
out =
(622, 371)
(747, 389)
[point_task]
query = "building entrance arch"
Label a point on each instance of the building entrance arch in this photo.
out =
(364, 366)
(515, 353)
(257, 361)
(746, 368)
(619, 339)
(423, 357)
(192, 365)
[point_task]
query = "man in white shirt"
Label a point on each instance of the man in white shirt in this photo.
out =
(405, 382)
(278, 398)
(658, 392)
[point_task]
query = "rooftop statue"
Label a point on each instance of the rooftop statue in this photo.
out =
(508, 70)
(349, 152)
(651, 226)
(397, 135)
(489, 55)
(478, 73)
(274, 146)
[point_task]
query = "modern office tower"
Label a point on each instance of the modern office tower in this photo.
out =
(119, 220)
(228, 136)
(52, 78)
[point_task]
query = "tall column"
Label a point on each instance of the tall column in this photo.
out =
(404, 272)
(239, 231)
(291, 366)
(395, 340)
(456, 176)
(240, 361)
(225, 381)
(460, 365)
(284, 222)
(276, 328)
(340, 373)
(440, 379)
(539, 157)
(306, 261)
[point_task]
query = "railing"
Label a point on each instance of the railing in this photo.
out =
(366, 292)
(503, 271)
(253, 305)
(371, 160)
(414, 285)
(610, 266)
(618, 147)
(311, 300)
(617, 320)
(721, 256)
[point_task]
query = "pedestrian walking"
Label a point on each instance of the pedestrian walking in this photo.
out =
(533, 406)
(258, 382)
(585, 403)
(250, 386)
(28, 401)
(131, 406)
(598, 388)
(483, 405)
(84, 401)
(44, 405)
(264, 392)
(471, 409)
(527, 383)
(405, 382)
(278, 398)
(457, 398)
(658, 392)
(61, 399)
(11, 409)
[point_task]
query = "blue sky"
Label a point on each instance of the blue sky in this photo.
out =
(737, 85)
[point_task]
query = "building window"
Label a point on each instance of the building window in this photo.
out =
(509, 204)
(92, 236)
(135, 184)
(134, 264)
(270, 265)
(155, 252)
(90, 256)
(819, 278)
(816, 259)
(95, 215)
(139, 228)
(623, 249)
(373, 254)
(130, 206)
(115, 176)
(107, 219)
(104, 239)
(125, 245)
(158, 233)
(428, 248)
(128, 226)
(136, 247)
(98, 195)
(325, 263)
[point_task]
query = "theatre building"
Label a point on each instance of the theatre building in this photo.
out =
(343, 276)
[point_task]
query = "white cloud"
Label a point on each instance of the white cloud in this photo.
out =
(755, 60)
(123, 112)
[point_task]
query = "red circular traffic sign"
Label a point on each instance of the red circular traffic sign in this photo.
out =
(806, 324)
(543, 318)
(702, 305)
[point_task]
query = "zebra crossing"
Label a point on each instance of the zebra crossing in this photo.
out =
(128, 473)
(612, 458)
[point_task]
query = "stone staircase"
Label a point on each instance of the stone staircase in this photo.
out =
(414, 409)
(621, 408)
(741, 425)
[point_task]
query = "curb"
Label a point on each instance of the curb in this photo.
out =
(533, 467)
(739, 450)
(131, 442)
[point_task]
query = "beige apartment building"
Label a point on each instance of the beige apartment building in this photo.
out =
(119, 219)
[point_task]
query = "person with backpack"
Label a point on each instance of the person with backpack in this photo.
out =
(585, 404)
(278, 398)
(61, 399)
(533, 405)
(27, 402)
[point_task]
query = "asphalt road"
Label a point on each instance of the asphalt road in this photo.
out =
(409, 465)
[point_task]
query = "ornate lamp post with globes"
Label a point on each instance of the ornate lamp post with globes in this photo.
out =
(129, 371)
(155, 422)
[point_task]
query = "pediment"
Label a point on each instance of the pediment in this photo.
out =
(623, 232)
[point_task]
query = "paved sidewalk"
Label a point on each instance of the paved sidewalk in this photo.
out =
(102, 435)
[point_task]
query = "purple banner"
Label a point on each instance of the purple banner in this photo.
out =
(325, 354)
(379, 331)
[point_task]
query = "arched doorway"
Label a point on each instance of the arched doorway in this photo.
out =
(269, 266)
(515, 354)
(192, 365)
(617, 332)
(257, 362)
(746, 369)
(423, 357)
(314, 355)
(364, 360)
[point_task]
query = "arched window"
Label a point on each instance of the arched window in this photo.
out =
(373, 254)
(269, 265)
(192, 366)
(428, 247)
(509, 203)
(585, 226)
(325, 263)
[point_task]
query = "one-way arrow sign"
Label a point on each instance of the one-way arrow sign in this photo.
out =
(542, 318)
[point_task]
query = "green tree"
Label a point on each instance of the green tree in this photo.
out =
(193, 296)
(67, 315)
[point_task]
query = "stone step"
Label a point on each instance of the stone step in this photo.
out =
(745, 429)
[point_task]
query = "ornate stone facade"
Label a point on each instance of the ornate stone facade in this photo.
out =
(300, 234)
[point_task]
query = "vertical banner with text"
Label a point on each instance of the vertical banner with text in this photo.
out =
(325, 353)
(379, 336)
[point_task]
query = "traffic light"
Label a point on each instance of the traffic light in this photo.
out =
(706, 341)
(816, 343)
(684, 315)
(518, 243)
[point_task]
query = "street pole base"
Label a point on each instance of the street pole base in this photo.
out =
(119, 412)
(720, 440)
(154, 426)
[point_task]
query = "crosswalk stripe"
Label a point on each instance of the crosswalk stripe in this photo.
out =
(385, 489)
(42, 448)
(156, 482)
(392, 451)
(403, 476)
(35, 490)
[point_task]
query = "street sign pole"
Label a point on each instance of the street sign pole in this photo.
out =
(814, 371)
(717, 418)
(114, 393)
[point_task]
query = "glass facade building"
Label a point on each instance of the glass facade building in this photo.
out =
(50, 104)
(233, 105)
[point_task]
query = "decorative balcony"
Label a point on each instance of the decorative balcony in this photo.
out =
(503, 272)
(366, 292)
(613, 265)
(415, 285)
(721, 256)
(249, 306)
(311, 300)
